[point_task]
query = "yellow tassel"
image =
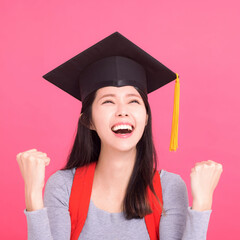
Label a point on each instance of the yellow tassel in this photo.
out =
(174, 133)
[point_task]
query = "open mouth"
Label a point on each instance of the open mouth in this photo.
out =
(123, 129)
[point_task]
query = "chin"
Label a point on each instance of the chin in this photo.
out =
(124, 148)
(122, 145)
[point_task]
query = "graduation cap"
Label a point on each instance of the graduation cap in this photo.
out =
(115, 61)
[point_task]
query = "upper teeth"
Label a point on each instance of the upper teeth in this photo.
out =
(122, 127)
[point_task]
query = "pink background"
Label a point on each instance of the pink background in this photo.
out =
(197, 39)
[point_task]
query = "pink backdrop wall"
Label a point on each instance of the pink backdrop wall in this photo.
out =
(197, 39)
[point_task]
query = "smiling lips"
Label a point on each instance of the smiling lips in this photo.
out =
(123, 130)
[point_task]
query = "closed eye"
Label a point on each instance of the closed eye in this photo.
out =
(108, 101)
(135, 101)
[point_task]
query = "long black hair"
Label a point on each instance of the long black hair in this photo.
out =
(86, 149)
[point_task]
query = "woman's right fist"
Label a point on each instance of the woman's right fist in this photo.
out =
(32, 166)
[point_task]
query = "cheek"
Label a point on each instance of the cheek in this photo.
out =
(101, 120)
(141, 116)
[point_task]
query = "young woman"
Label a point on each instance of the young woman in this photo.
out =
(114, 138)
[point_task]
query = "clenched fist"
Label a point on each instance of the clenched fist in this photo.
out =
(204, 179)
(32, 166)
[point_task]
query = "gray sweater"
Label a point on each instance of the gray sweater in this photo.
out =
(53, 221)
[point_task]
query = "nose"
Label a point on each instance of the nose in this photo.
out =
(121, 110)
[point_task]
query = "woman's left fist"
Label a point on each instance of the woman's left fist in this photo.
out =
(204, 179)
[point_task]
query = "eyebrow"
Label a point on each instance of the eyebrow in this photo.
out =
(113, 95)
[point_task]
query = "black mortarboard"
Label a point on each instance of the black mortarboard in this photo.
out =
(114, 61)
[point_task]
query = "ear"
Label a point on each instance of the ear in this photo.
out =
(146, 120)
(92, 127)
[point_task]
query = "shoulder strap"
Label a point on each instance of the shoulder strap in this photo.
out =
(153, 220)
(80, 199)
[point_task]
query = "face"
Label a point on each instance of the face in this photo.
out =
(119, 117)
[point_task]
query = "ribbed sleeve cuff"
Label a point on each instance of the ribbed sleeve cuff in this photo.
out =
(38, 223)
(197, 223)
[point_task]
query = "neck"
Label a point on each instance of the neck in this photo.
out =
(114, 169)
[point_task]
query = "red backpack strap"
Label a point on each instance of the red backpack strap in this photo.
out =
(153, 220)
(80, 198)
(81, 194)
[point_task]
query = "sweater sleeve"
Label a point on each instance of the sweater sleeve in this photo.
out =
(180, 222)
(53, 221)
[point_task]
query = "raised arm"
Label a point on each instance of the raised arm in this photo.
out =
(181, 221)
(48, 218)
